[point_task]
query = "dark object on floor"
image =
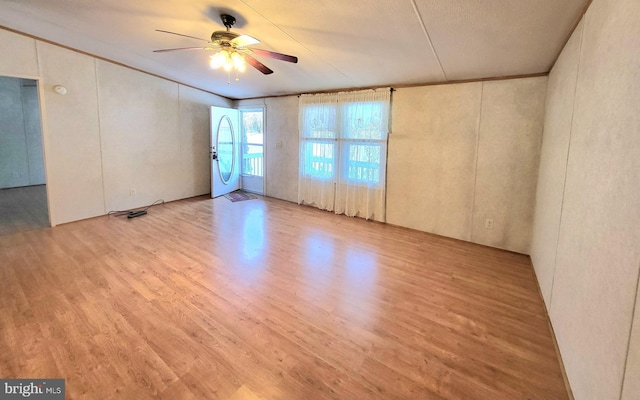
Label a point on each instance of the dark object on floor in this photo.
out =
(134, 214)
(239, 195)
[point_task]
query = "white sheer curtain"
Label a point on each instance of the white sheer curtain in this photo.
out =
(343, 150)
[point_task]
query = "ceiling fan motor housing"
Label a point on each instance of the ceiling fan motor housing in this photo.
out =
(223, 36)
(228, 20)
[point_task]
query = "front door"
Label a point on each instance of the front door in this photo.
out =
(225, 168)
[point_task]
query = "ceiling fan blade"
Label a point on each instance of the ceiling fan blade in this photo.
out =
(257, 65)
(180, 34)
(274, 55)
(244, 40)
(179, 48)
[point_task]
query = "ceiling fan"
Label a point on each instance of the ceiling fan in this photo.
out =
(231, 49)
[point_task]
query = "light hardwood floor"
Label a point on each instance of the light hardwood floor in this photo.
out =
(23, 209)
(264, 299)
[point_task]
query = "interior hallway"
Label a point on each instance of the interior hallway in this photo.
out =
(23, 209)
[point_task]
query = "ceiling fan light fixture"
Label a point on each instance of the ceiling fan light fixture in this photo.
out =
(231, 49)
(228, 60)
(238, 62)
(219, 59)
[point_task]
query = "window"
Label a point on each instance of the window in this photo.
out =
(363, 163)
(320, 158)
(364, 141)
(252, 142)
(343, 149)
(319, 142)
(361, 141)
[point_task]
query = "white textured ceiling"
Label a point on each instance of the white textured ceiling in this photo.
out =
(340, 44)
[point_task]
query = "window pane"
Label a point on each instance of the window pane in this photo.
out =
(252, 141)
(364, 121)
(319, 159)
(252, 160)
(363, 163)
(252, 127)
(225, 149)
(320, 121)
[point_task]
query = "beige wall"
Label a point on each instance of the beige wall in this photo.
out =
(116, 129)
(432, 158)
(194, 118)
(586, 236)
(433, 164)
(281, 145)
(140, 139)
(553, 162)
(282, 148)
(71, 134)
(461, 154)
(23, 62)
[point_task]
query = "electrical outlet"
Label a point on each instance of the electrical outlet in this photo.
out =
(132, 193)
(488, 223)
(279, 144)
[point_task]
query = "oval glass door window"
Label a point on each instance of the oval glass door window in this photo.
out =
(225, 149)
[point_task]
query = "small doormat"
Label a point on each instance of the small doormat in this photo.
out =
(239, 195)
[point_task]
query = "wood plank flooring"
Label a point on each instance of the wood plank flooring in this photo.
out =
(23, 209)
(265, 299)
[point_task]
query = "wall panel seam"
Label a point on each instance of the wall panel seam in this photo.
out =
(475, 169)
(633, 313)
(181, 150)
(566, 166)
(104, 191)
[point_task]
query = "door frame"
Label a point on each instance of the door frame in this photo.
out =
(263, 109)
(44, 136)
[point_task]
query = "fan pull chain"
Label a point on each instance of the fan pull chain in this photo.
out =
(229, 77)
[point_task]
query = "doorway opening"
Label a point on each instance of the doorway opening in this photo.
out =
(23, 194)
(252, 138)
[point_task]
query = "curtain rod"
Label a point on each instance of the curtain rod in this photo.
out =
(349, 90)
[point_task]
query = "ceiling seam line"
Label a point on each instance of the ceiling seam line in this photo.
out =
(426, 34)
